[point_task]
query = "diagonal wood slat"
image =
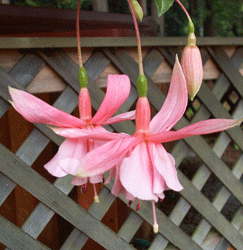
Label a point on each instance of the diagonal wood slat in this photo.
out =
(15, 238)
(19, 172)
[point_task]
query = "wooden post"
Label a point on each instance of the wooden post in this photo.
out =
(101, 6)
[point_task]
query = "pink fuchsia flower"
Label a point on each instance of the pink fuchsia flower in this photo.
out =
(191, 63)
(72, 150)
(144, 169)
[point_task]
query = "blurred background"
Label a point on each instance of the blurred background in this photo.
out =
(211, 17)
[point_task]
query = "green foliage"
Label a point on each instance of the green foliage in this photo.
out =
(163, 5)
(66, 4)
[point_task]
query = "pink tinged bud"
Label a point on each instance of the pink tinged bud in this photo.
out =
(143, 115)
(191, 63)
(85, 105)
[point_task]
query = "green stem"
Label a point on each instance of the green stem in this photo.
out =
(140, 60)
(78, 36)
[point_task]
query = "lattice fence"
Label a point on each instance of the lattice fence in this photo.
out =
(206, 214)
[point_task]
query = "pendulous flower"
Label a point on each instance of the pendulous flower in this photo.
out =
(72, 150)
(140, 164)
(191, 63)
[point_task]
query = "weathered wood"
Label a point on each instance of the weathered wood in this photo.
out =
(16, 239)
(229, 69)
(130, 226)
(67, 42)
(77, 239)
(19, 172)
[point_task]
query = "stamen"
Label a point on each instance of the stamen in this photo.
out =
(96, 198)
(84, 188)
(129, 203)
(103, 179)
(138, 205)
(155, 226)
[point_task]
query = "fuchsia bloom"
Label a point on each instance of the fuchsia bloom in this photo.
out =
(72, 150)
(191, 63)
(140, 165)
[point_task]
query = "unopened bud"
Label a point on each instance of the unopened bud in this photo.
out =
(83, 77)
(142, 86)
(191, 63)
(137, 9)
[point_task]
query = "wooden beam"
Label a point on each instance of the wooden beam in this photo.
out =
(70, 42)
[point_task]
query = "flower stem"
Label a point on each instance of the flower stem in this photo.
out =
(140, 60)
(78, 36)
(184, 9)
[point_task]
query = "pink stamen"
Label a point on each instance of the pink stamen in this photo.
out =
(129, 203)
(138, 205)
(84, 188)
(96, 198)
(155, 226)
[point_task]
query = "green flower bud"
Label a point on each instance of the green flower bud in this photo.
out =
(137, 9)
(191, 27)
(142, 86)
(83, 77)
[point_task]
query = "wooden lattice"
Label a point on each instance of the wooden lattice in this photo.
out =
(208, 212)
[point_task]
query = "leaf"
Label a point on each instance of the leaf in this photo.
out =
(163, 5)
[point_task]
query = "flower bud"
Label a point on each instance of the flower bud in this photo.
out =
(142, 85)
(191, 63)
(137, 9)
(83, 77)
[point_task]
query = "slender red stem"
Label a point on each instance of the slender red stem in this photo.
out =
(140, 60)
(184, 9)
(78, 36)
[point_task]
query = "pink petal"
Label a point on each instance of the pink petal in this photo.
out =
(199, 128)
(53, 167)
(118, 89)
(88, 134)
(120, 118)
(96, 179)
(37, 111)
(165, 164)
(136, 173)
(66, 150)
(71, 154)
(159, 185)
(174, 105)
(79, 181)
(103, 158)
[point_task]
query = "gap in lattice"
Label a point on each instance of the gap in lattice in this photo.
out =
(144, 236)
(190, 164)
(191, 221)
(18, 130)
(169, 202)
(116, 215)
(230, 99)
(192, 108)
(211, 187)
(231, 154)
(91, 244)
(231, 206)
